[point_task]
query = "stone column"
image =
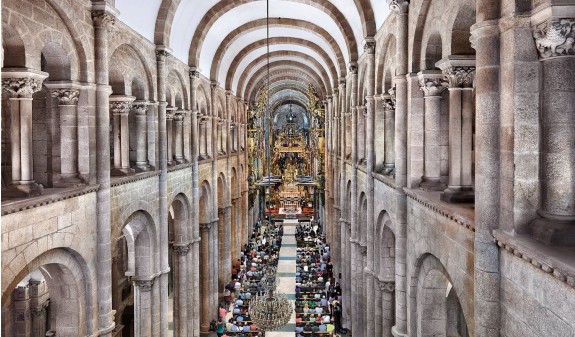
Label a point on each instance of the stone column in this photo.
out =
(369, 48)
(223, 249)
(227, 257)
(140, 110)
(432, 84)
(205, 295)
(22, 84)
(162, 53)
(181, 289)
(214, 253)
(219, 135)
(143, 307)
(23, 323)
(556, 222)
(68, 109)
(178, 137)
(120, 107)
(356, 264)
(103, 19)
(389, 132)
(203, 143)
(486, 41)
(387, 293)
(360, 134)
(400, 9)
(194, 273)
(460, 72)
(170, 114)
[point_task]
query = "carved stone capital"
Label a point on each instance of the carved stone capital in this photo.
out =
(369, 45)
(22, 87)
(121, 105)
(194, 73)
(386, 286)
(182, 250)
(352, 68)
(162, 54)
(214, 85)
(459, 77)
(555, 38)
(103, 19)
(66, 96)
(205, 227)
(459, 70)
(363, 250)
(140, 108)
(432, 84)
(399, 6)
(144, 285)
(179, 116)
(388, 102)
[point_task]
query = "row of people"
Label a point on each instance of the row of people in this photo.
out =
(313, 315)
(258, 256)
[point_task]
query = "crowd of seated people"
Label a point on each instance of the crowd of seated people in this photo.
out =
(257, 257)
(318, 296)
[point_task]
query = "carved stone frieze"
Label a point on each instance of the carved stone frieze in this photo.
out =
(66, 96)
(555, 38)
(22, 87)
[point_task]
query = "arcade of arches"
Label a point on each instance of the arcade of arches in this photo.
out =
(446, 183)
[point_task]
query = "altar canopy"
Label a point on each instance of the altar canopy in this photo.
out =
(294, 134)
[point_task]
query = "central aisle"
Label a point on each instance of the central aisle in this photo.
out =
(286, 274)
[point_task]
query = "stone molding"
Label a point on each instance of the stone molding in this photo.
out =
(144, 285)
(432, 83)
(140, 108)
(22, 83)
(555, 37)
(128, 179)
(9, 207)
(465, 222)
(504, 241)
(66, 96)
